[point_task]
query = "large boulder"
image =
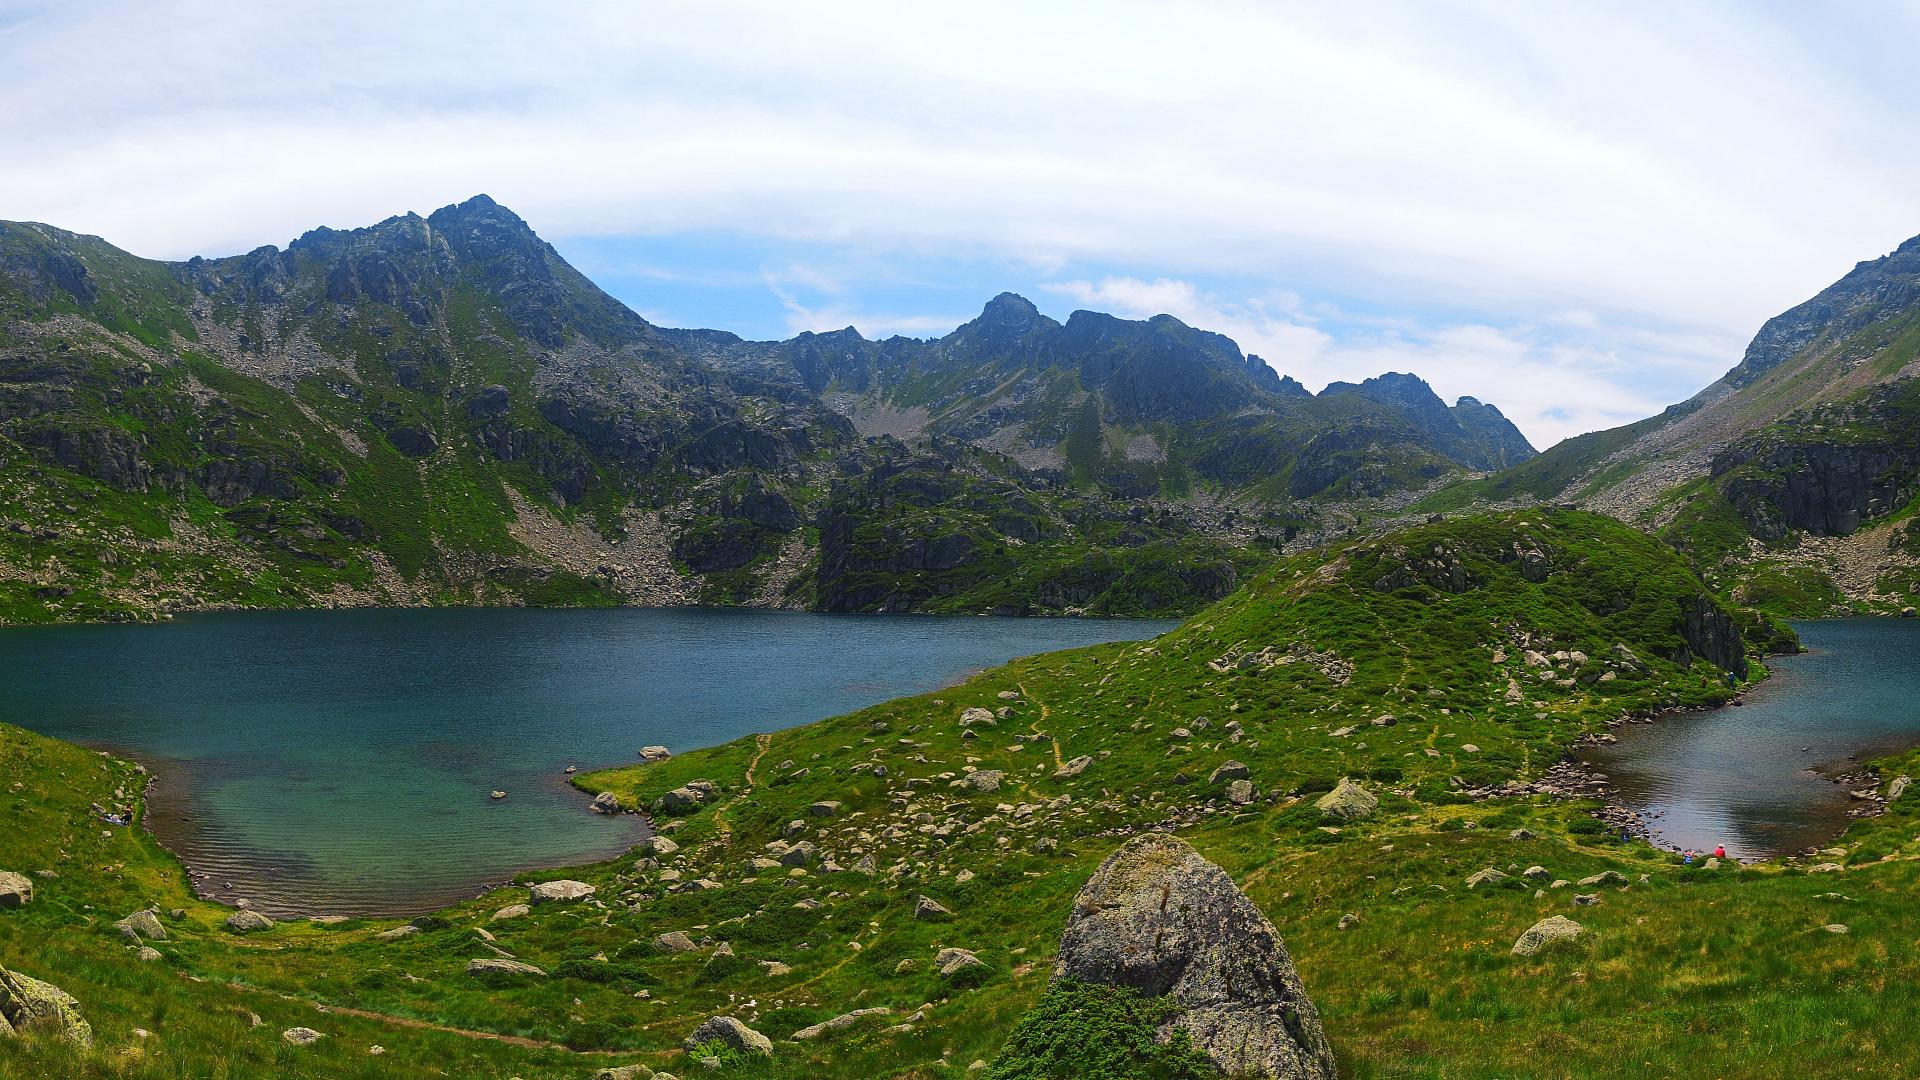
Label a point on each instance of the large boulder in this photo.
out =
(1162, 921)
(15, 889)
(605, 803)
(31, 1007)
(1348, 801)
(564, 891)
(730, 1033)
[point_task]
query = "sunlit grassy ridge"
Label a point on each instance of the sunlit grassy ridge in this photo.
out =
(1688, 972)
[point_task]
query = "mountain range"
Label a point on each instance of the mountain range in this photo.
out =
(441, 409)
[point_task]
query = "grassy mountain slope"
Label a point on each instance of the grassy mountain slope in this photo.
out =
(1683, 972)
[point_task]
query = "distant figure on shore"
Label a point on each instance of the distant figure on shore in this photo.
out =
(1720, 851)
(1686, 857)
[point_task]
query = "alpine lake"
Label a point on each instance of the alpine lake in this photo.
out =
(343, 762)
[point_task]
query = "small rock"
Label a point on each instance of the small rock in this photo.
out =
(838, 1023)
(926, 907)
(564, 891)
(1548, 931)
(730, 1033)
(1348, 801)
(1073, 768)
(651, 754)
(605, 803)
(500, 965)
(16, 890)
(301, 1036)
(247, 922)
(142, 924)
(511, 911)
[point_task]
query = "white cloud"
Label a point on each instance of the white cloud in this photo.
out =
(1668, 172)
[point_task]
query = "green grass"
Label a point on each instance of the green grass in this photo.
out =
(1683, 972)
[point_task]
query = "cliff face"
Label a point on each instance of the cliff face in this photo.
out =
(1830, 470)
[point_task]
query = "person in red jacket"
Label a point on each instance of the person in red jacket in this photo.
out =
(1720, 851)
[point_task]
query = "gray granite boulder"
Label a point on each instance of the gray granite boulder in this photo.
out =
(1161, 920)
(564, 891)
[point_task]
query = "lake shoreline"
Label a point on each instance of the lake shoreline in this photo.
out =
(1846, 771)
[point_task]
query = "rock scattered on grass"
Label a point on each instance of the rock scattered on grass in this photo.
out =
(564, 891)
(1552, 930)
(1348, 801)
(16, 890)
(731, 1033)
(247, 922)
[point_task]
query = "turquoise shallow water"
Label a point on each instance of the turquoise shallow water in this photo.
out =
(1755, 777)
(339, 762)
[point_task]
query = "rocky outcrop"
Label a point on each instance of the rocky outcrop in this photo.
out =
(1712, 635)
(31, 1007)
(1159, 919)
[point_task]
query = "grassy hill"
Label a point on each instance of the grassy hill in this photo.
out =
(1446, 668)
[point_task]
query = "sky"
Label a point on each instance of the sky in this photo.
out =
(1579, 213)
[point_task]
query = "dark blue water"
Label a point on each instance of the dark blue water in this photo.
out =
(1756, 778)
(340, 761)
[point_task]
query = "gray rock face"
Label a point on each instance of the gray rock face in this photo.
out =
(247, 922)
(1348, 801)
(731, 1033)
(1158, 918)
(824, 808)
(564, 891)
(1073, 768)
(605, 803)
(1548, 931)
(301, 1036)
(926, 907)
(659, 846)
(15, 889)
(31, 1007)
(652, 754)
(511, 911)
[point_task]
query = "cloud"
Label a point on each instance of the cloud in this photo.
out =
(1684, 170)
